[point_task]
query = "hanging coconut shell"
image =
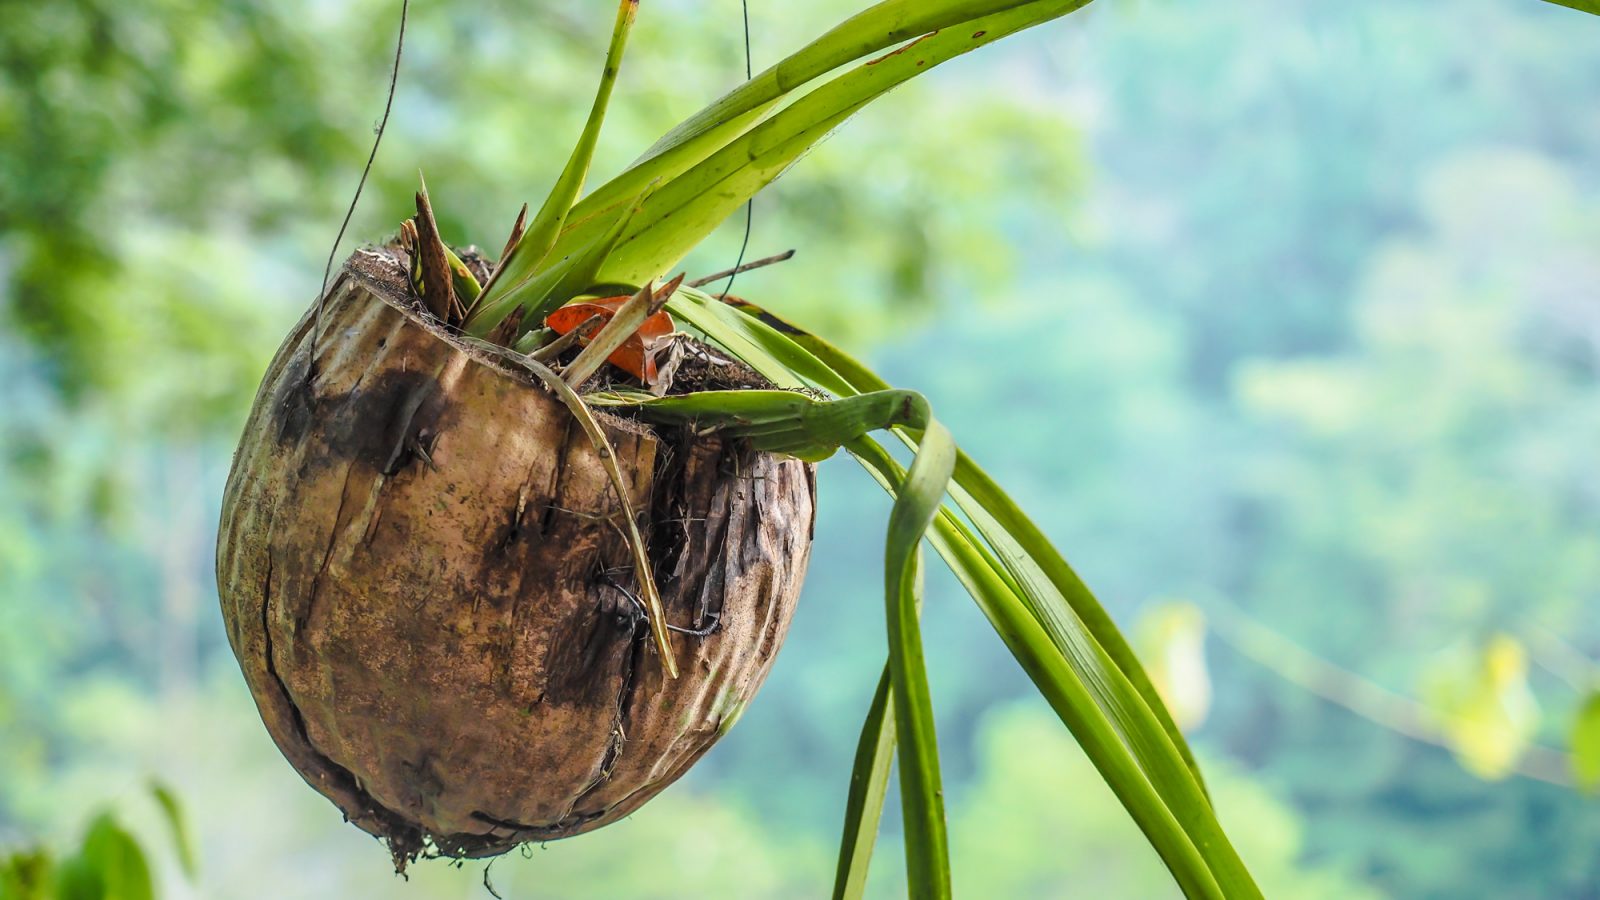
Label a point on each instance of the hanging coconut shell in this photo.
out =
(425, 580)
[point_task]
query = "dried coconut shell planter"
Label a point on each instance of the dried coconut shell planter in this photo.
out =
(425, 580)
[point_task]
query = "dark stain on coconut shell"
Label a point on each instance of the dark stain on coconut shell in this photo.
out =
(423, 580)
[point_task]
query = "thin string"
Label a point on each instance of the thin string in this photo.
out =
(749, 205)
(327, 270)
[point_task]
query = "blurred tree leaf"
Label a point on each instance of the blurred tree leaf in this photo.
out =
(27, 875)
(1279, 188)
(1585, 743)
(1485, 707)
(110, 866)
(109, 863)
(1015, 839)
(178, 823)
(1171, 640)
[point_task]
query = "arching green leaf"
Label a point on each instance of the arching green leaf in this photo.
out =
(1062, 637)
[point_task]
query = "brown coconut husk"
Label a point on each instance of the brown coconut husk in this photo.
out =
(425, 581)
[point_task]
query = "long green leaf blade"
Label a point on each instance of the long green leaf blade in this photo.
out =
(869, 782)
(553, 285)
(1025, 552)
(1081, 628)
(869, 31)
(1062, 686)
(690, 205)
(1118, 704)
(1588, 6)
(824, 366)
(790, 364)
(875, 29)
(921, 795)
(976, 490)
(529, 254)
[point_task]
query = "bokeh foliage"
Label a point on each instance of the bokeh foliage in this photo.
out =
(1304, 319)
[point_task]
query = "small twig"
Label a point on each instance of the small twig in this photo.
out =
(383, 124)
(740, 270)
(654, 610)
(1342, 687)
(1561, 659)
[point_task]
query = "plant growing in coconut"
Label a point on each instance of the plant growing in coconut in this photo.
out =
(508, 545)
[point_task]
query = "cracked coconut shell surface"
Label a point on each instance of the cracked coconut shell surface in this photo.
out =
(424, 580)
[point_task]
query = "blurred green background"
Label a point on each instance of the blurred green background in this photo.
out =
(1281, 317)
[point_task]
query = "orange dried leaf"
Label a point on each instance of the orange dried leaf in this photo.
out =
(636, 356)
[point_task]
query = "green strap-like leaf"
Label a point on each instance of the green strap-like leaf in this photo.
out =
(819, 364)
(869, 782)
(921, 796)
(792, 422)
(552, 286)
(110, 866)
(1023, 545)
(1025, 553)
(869, 31)
(688, 207)
(528, 255)
(1588, 6)
(1093, 692)
(875, 29)
(1060, 683)
(792, 365)
(829, 368)
(1080, 628)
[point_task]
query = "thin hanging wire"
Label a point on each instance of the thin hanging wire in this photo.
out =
(749, 205)
(383, 123)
